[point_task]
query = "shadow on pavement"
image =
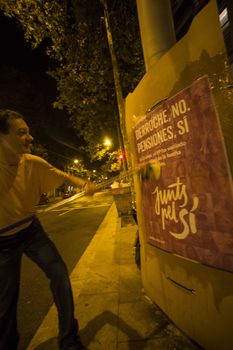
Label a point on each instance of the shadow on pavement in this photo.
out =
(88, 333)
(107, 317)
(50, 344)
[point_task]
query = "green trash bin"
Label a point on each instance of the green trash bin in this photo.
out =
(123, 200)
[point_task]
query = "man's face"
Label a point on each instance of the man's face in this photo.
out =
(18, 140)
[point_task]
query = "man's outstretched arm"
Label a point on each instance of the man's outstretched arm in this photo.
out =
(87, 186)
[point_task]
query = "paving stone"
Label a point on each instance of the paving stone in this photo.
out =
(98, 319)
(141, 317)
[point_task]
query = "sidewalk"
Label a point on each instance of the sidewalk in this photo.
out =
(113, 312)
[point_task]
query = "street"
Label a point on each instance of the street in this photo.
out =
(71, 227)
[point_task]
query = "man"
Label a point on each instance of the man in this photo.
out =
(23, 178)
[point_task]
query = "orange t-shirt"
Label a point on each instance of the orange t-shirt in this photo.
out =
(20, 190)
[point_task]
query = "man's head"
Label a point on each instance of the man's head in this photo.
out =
(14, 132)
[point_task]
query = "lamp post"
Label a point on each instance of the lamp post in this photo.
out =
(118, 89)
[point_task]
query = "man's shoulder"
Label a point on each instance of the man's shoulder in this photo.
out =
(27, 157)
(34, 162)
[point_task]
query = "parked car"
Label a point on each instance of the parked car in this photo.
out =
(67, 195)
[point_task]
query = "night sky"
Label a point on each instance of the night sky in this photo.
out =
(53, 128)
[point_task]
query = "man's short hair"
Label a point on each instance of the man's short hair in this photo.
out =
(5, 116)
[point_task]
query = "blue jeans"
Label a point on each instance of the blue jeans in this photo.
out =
(34, 242)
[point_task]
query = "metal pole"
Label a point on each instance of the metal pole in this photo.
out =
(156, 28)
(120, 100)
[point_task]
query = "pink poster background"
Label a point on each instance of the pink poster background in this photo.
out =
(189, 209)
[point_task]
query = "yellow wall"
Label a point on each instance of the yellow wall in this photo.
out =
(206, 315)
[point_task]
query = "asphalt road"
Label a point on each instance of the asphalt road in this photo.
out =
(71, 227)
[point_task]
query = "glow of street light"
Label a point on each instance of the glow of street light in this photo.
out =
(107, 142)
(75, 161)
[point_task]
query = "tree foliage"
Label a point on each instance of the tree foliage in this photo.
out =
(40, 20)
(75, 38)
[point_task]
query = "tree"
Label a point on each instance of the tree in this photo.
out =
(106, 158)
(76, 42)
(77, 168)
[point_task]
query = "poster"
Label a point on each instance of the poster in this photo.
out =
(188, 204)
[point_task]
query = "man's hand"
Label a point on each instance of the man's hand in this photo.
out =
(150, 170)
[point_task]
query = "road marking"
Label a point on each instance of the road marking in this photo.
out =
(95, 206)
(64, 201)
(79, 207)
(67, 211)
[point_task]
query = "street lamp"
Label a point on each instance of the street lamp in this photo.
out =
(107, 142)
(76, 161)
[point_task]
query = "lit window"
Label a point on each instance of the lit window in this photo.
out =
(223, 18)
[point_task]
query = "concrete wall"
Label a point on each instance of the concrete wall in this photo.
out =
(206, 314)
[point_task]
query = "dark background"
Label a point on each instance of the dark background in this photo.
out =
(26, 87)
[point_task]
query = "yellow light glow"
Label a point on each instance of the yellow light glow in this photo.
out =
(107, 142)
